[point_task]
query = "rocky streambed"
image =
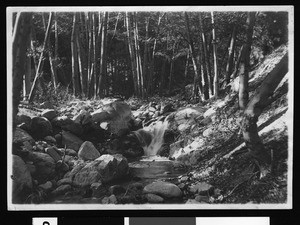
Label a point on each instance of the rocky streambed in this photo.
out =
(98, 155)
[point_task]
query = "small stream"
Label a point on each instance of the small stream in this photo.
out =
(146, 169)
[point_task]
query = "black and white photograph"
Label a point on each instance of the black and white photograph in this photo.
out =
(161, 107)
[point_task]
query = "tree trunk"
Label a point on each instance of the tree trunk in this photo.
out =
(74, 58)
(237, 65)
(145, 64)
(172, 67)
(94, 53)
(132, 54)
(150, 84)
(186, 70)
(101, 80)
(229, 66)
(216, 77)
(203, 61)
(255, 107)
(27, 75)
(56, 45)
(50, 55)
(20, 38)
(244, 67)
(197, 78)
(138, 59)
(162, 78)
(38, 70)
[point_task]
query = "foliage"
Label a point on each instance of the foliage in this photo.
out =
(270, 31)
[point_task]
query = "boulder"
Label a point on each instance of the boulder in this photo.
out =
(87, 151)
(40, 127)
(65, 123)
(163, 189)
(98, 189)
(71, 141)
(45, 166)
(117, 114)
(46, 105)
(61, 190)
(50, 114)
(21, 177)
(104, 169)
(50, 139)
(208, 132)
(116, 189)
(46, 186)
(210, 112)
(23, 122)
(174, 147)
(166, 108)
(122, 165)
(201, 188)
(152, 198)
(21, 136)
(83, 118)
(53, 153)
(206, 121)
(202, 199)
(109, 200)
(64, 181)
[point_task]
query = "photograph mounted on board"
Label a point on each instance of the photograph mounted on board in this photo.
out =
(150, 107)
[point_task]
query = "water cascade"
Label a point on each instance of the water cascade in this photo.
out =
(152, 137)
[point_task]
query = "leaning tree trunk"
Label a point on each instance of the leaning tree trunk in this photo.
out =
(197, 78)
(229, 66)
(255, 107)
(245, 63)
(21, 35)
(38, 70)
(214, 43)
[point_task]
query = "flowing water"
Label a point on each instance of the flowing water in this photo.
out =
(152, 136)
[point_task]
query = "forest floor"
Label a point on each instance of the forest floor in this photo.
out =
(218, 156)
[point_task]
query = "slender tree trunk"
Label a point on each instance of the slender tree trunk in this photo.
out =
(186, 70)
(197, 78)
(132, 54)
(56, 45)
(162, 77)
(237, 64)
(172, 67)
(103, 57)
(74, 58)
(216, 76)
(255, 107)
(98, 48)
(145, 64)
(138, 59)
(94, 53)
(50, 55)
(229, 66)
(27, 75)
(20, 38)
(203, 61)
(38, 70)
(244, 67)
(150, 84)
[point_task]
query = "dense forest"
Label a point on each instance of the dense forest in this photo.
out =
(96, 94)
